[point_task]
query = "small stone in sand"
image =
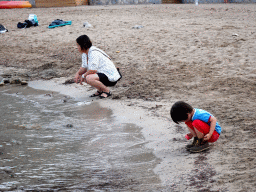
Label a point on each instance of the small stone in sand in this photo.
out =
(137, 27)
(23, 83)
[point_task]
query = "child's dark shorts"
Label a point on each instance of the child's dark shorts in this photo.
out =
(104, 79)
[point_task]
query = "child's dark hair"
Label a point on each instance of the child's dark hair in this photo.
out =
(179, 111)
(84, 42)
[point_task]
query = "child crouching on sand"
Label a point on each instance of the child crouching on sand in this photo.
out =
(202, 125)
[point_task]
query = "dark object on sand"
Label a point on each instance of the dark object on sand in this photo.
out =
(27, 24)
(3, 29)
(69, 81)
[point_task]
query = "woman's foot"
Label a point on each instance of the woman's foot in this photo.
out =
(105, 95)
(98, 93)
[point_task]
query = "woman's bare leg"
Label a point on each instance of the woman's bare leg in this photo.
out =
(94, 81)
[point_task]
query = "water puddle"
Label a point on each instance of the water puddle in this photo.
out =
(51, 142)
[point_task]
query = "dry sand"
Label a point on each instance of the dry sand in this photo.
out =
(204, 55)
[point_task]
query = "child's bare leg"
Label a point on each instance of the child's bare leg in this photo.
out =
(192, 132)
(199, 134)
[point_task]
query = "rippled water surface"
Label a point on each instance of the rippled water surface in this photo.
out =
(50, 142)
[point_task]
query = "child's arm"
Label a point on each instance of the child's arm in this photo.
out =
(213, 121)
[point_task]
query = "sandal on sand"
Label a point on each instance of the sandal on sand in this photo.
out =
(95, 94)
(59, 23)
(108, 95)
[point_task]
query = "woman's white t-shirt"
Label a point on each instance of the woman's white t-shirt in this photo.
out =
(100, 61)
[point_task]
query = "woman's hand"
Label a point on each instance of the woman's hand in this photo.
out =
(77, 78)
(82, 79)
(78, 74)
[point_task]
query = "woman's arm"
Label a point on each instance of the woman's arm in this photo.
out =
(79, 73)
(90, 72)
(83, 77)
(213, 121)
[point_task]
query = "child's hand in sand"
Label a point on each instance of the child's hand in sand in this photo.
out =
(207, 137)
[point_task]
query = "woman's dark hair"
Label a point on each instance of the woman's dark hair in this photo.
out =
(179, 111)
(84, 42)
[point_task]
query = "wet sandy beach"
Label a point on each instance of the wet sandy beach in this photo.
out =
(204, 55)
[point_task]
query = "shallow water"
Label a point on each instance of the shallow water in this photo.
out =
(50, 142)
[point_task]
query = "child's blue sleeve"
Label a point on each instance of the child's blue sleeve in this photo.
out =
(205, 117)
(201, 115)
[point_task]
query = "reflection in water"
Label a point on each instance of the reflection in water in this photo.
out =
(48, 142)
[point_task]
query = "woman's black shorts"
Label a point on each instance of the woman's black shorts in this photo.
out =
(104, 79)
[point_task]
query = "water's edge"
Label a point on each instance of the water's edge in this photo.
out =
(44, 134)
